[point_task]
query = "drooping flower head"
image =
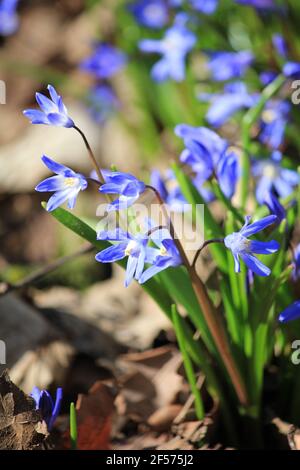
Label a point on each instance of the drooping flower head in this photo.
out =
(207, 154)
(241, 247)
(48, 408)
(9, 20)
(127, 186)
(227, 65)
(105, 61)
(103, 103)
(53, 112)
(150, 13)
(270, 175)
(177, 42)
(223, 105)
(66, 185)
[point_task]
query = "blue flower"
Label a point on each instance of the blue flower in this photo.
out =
(274, 206)
(273, 123)
(260, 4)
(169, 190)
(126, 245)
(208, 154)
(103, 103)
(53, 112)
(271, 175)
(66, 185)
(127, 186)
(290, 313)
(241, 246)
(226, 65)
(150, 13)
(207, 6)
(296, 264)
(291, 69)
(268, 77)
(224, 105)
(105, 61)
(280, 45)
(45, 404)
(163, 257)
(174, 47)
(9, 21)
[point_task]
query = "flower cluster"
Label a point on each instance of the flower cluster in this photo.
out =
(138, 250)
(209, 155)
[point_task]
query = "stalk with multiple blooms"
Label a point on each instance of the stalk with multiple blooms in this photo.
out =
(249, 177)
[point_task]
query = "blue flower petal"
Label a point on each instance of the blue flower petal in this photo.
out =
(112, 253)
(255, 265)
(264, 248)
(258, 225)
(290, 313)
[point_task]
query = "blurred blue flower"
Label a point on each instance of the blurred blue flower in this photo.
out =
(66, 185)
(208, 154)
(204, 6)
(169, 190)
(44, 402)
(267, 77)
(9, 20)
(175, 45)
(150, 13)
(270, 175)
(290, 313)
(224, 105)
(127, 186)
(163, 257)
(263, 4)
(291, 69)
(53, 112)
(296, 263)
(241, 246)
(103, 103)
(280, 45)
(226, 65)
(126, 245)
(105, 61)
(274, 206)
(274, 119)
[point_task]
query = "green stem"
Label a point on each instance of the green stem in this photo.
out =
(199, 408)
(73, 427)
(249, 119)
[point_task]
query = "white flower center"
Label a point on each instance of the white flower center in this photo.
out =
(132, 245)
(70, 182)
(270, 171)
(268, 116)
(237, 243)
(163, 251)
